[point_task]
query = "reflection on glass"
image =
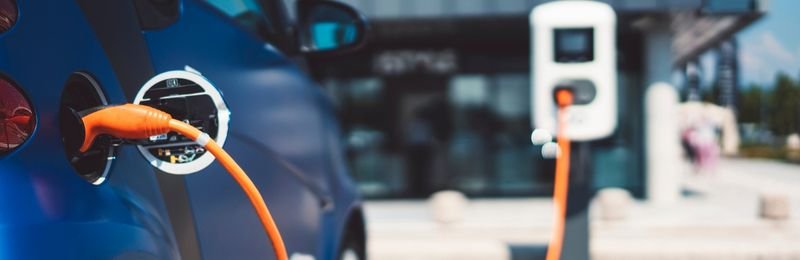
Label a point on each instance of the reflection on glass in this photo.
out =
(249, 14)
(331, 35)
(8, 14)
(16, 117)
(331, 28)
(465, 132)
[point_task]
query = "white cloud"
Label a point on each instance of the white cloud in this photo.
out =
(774, 48)
(763, 56)
(749, 60)
(751, 65)
(798, 51)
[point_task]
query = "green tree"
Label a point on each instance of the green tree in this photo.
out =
(784, 105)
(751, 104)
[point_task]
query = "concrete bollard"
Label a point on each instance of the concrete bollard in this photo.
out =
(614, 203)
(774, 206)
(793, 142)
(447, 207)
(663, 145)
(793, 147)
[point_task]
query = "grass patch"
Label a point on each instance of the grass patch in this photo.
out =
(769, 152)
(763, 151)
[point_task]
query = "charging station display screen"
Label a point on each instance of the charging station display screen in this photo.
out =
(574, 45)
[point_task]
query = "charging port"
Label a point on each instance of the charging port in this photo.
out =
(188, 97)
(185, 101)
(82, 92)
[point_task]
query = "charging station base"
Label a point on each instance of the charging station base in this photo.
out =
(576, 228)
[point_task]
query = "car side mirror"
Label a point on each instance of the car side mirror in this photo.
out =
(329, 27)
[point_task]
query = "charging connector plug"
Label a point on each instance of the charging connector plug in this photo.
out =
(127, 121)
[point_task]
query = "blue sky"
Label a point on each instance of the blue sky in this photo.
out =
(771, 44)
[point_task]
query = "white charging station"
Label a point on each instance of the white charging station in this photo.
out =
(573, 46)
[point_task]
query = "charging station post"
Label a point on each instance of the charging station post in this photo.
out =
(573, 48)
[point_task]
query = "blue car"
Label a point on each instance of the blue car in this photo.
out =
(232, 68)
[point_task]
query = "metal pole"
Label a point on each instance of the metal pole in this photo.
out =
(576, 229)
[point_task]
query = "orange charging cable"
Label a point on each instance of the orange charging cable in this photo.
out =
(564, 99)
(131, 121)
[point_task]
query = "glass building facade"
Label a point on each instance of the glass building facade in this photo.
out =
(440, 99)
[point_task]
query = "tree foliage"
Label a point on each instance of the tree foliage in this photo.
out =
(776, 107)
(783, 106)
(751, 106)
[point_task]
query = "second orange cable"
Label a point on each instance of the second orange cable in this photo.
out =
(564, 99)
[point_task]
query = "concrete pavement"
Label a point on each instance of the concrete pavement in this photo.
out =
(717, 220)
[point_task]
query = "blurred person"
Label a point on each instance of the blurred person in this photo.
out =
(703, 147)
(426, 133)
(419, 150)
(707, 132)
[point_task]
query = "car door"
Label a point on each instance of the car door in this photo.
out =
(275, 132)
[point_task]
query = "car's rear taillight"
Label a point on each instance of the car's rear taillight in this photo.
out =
(8, 14)
(17, 119)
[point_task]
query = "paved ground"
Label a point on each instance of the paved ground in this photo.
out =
(718, 221)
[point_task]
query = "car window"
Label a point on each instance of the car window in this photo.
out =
(248, 14)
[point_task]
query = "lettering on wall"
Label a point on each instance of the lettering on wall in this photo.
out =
(399, 62)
